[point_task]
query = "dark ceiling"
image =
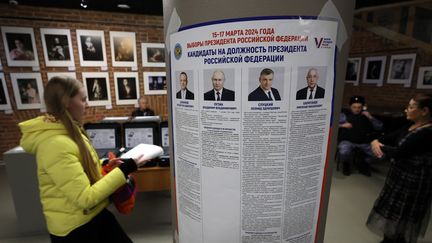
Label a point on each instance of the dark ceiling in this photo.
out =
(151, 7)
(371, 3)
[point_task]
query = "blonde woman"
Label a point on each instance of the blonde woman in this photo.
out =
(73, 193)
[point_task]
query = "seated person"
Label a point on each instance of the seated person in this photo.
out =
(143, 109)
(357, 128)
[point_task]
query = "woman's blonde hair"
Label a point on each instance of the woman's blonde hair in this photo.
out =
(57, 95)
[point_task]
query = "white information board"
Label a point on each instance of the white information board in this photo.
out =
(135, 136)
(102, 138)
(251, 108)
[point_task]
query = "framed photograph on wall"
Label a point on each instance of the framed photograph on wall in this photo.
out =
(126, 88)
(155, 83)
(424, 78)
(4, 95)
(373, 72)
(28, 90)
(401, 69)
(352, 74)
(153, 54)
(20, 47)
(57, 47)
(91, 48)
(68, 74)
(98, 88)
(123, 49)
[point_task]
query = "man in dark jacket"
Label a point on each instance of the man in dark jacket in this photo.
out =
(357, 128)
(219, 92)
(184, 93)
(144, 108)
(312, 90)
(265, 91)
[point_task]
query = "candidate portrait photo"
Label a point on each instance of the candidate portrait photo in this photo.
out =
(219, 85)
(311, 83)
(185, 85)
(265, 84)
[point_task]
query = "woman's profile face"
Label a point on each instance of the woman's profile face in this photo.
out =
(77, 105)
(413, 112)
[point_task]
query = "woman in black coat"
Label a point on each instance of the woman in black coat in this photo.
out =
(401, 212)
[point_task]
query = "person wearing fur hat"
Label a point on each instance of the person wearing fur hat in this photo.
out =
(357, 128)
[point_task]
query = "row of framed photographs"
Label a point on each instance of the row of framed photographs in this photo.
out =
(401, 71)
(28, 88)
(21, 51)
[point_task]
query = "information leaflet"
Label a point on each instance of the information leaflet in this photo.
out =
(251, 108)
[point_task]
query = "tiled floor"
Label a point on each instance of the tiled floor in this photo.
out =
(350, 201)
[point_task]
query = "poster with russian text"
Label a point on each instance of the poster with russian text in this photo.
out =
(251, 108)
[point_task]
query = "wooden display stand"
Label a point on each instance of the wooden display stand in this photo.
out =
(152, 179)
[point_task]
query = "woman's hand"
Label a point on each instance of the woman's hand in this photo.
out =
(376, 148)
(112, 163)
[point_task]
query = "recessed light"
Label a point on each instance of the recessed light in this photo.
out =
(123, 6)
(84, 3)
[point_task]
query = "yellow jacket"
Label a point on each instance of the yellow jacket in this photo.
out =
(68, 199)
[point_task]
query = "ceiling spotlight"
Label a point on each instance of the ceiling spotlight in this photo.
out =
(84, 3)
(123, 6)
(13, 2)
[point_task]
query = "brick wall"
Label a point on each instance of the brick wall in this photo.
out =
(148, 29)
(389, 97)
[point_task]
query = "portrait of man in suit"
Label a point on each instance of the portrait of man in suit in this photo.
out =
(265, 91)
(184, 93)
(219, 93)
(312, 91)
